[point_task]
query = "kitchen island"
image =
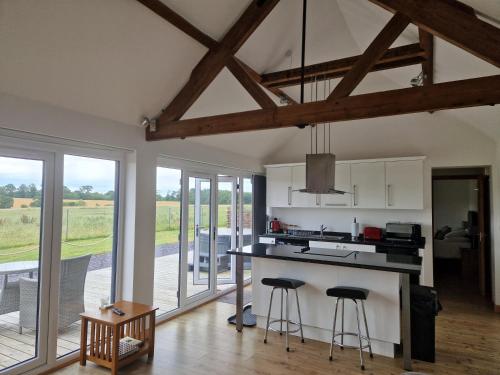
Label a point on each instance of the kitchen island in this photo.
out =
(382, 274)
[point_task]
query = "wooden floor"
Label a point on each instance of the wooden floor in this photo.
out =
(201, 342)
(16, 348)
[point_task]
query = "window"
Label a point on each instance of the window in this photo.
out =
(88, 243)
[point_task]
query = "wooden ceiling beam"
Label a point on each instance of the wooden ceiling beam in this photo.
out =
(410, 54)
(216, 58)
(369, 58)
(453, 22)
(250, 84)
(427, 44)
(448, 95)
(178, 21)
(258, 78)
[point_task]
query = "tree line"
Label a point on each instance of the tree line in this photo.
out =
(9, 192)
(224, 196)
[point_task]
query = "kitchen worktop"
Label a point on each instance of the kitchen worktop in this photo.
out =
(346, 238)
(345, 258)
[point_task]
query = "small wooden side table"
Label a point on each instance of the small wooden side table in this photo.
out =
(107, 328)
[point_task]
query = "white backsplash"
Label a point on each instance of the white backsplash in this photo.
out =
(339, 220)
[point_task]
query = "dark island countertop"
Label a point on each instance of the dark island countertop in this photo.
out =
(346, 238)
(373, 261)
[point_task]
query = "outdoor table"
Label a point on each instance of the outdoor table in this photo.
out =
(17, 268)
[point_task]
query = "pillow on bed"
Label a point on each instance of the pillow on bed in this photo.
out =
(442, 232)
(456, 233)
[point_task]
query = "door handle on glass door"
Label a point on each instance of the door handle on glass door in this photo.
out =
(197, 230)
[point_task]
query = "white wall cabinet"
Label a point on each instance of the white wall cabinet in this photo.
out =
(368, 184)
(343, 183)
(395, 183)
(404, 184)
(279, 187)
(299, 182)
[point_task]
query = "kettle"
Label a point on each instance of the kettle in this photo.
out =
(275, 226)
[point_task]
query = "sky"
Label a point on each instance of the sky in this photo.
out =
(78, 171)
(168, 179)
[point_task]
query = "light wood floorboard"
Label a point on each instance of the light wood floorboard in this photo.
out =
(201, 342)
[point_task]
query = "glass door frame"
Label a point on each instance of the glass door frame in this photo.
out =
(45, 255)
(184, 299)
(234, 230)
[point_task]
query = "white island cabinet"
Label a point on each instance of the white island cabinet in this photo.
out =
(382, 305)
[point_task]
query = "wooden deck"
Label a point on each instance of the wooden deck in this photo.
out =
(16, 348)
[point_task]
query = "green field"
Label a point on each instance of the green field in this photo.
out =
(85, 230)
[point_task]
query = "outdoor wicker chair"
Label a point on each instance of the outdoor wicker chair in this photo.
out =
(9, 295)
(71, 294)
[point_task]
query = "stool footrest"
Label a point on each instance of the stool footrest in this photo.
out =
(284, 323)
(336, 343)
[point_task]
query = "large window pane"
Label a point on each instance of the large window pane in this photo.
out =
(199, 235)
(88, 243)
(168, 227)
(21, 196)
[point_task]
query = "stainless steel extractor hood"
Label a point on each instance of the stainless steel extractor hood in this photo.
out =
(320, 174)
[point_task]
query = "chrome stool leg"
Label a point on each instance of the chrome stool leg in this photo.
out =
(333, 329)
(359, 337)
(281, 314)
(366, 327)
(300, 318)
(342, 337)
(287, 321)
(269, 315)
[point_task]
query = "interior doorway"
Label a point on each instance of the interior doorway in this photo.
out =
(461, 232)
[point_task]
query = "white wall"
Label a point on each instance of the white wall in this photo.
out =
(444, 140)
(453, 199)
(140, 191)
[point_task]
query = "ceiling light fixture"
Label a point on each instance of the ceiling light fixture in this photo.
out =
(418, 80)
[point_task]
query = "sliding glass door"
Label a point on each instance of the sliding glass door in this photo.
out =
(198, 233)
(26, 207)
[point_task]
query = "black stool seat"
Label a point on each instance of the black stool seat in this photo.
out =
(347, 292)
(281, 282)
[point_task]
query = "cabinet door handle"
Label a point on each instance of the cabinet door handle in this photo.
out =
(289, 195)
(318, 201)
(389, 190)
(355, 195)
(336, 204)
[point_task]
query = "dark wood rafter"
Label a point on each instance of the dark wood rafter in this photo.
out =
(215, 59)
(410, 54)
(250, 84)
(427, 44)
(448, 95)
(453, 22)
(369, 58)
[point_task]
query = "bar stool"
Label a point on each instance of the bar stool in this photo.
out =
(283, 284)
(356, 295)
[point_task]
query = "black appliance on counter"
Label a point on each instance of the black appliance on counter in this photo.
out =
(403, 232)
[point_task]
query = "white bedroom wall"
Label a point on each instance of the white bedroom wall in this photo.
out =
(441, 137)
(452, 201)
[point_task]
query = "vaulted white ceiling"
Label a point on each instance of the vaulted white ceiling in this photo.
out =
(118, 60)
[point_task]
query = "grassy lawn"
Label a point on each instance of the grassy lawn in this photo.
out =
(86, 230)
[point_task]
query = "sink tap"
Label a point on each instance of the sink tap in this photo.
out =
(322, 229)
